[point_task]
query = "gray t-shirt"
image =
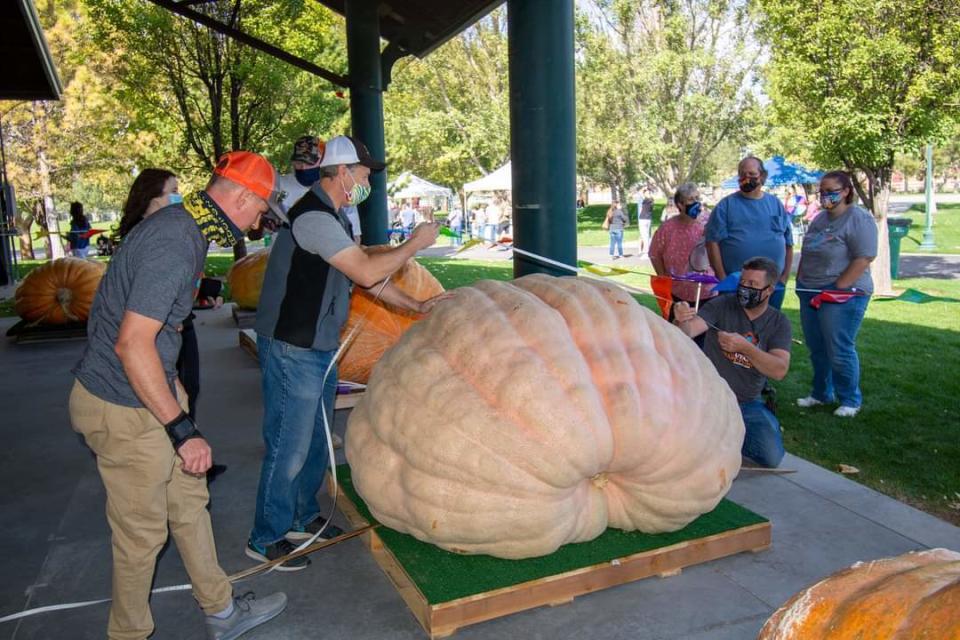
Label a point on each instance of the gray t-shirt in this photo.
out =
(770, 331)
(320, 233)
(618, 219)
(830, 245)
(155, 273)
(645, 209)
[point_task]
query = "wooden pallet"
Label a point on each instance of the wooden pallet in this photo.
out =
(24, 333)
(345, 399)
(243, 317)
(442, 620)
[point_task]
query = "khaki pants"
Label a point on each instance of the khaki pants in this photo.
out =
(146, 490)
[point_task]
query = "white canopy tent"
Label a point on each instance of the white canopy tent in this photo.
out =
(408, 185)
(499, 180)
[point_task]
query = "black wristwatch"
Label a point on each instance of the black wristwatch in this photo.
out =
(181, 429)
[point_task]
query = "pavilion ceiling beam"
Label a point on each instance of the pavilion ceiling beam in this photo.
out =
(250, 41)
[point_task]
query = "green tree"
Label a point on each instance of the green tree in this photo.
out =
(69, 149)
(661, 84)
(214, 94)
(447, 116)
(864, 81)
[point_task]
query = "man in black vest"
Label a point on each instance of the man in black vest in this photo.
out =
(303, 306)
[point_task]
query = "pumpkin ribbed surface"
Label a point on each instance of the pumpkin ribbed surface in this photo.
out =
(59, 292)
(245, 278)
(383, 324)
(915, 596)
(521, 416)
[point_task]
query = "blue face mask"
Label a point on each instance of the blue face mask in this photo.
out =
(831, 197)
(307, 177)
(693, 209)
(175, 198)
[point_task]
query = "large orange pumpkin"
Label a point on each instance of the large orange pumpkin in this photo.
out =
(383, 324)
(246, 278)
(915, 596)
(521, 416)
(59, 292)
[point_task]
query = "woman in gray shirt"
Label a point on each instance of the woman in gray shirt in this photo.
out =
(616, 220)
(838, 248)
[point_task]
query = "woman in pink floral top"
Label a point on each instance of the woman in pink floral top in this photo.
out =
(678, 245)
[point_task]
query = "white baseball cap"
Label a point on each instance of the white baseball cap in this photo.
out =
(348, 150)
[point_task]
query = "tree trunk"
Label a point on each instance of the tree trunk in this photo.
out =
(54, 246)
(880, 267)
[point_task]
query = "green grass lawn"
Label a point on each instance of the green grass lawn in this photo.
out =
(946, 229)
(906, 440)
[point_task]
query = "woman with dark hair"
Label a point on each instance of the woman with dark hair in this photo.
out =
(153, 189)
(838, 248)
(79, 226)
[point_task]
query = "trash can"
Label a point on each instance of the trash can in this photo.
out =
(897, 228)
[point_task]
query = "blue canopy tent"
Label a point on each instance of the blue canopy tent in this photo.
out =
(781, 173)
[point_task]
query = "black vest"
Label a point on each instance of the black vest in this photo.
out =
(317, 297)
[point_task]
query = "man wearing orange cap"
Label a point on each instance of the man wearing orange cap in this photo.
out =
(132, 412)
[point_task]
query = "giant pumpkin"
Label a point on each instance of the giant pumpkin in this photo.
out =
(245, 278)
(915, 596)
(382, 324)
(521, 416)
(59, 292)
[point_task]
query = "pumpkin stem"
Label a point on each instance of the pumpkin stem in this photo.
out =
(600, 480)
(65, 299)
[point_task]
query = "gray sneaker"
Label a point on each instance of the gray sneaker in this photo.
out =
(248, 612)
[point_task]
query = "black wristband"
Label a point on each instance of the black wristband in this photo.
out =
(181, 429)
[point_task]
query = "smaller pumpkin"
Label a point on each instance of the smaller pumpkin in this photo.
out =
(246, 278)
(59, 292)
(383, 324)
(915, 596)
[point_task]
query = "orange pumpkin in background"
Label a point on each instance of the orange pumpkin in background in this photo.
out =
(383, 324)
(59, 292)
(915, 596)
(245, 278)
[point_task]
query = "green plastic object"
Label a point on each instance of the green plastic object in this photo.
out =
(897, 229)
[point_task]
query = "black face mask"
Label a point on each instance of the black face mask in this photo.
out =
(749, 297)
(307, 177)
(749, 185)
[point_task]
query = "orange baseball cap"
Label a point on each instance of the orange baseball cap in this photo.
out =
(254, 172)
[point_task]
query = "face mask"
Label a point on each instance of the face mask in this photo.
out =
(358, 193)
(694, 209)
(748, 297)
(830, 197)
(307, 177)
(749, 185)
(175, 198)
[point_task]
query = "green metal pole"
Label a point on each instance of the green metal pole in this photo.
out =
(542, 133)
(366, 108)
(928, 242)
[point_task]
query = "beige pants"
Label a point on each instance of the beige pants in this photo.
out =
(146, 490)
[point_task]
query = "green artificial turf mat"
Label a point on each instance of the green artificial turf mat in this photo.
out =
(442, 576)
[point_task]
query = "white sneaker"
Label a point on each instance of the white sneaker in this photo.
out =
(809, 401)
(846, 412)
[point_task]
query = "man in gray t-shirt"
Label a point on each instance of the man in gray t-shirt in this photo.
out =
(747, 341)
(133, 415)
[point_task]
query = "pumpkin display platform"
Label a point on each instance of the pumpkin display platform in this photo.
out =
(446, 591)
(27, 332)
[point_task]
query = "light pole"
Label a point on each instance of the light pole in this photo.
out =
(928, 231)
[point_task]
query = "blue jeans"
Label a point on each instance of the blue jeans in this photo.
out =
(616, 242)
(831, 335)
(295, 460)
(763, 443)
